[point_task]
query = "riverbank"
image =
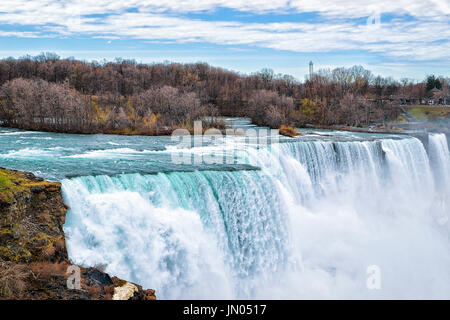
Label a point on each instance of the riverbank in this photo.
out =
(34, 262)
(163, 131)
(222, 126)
(284, 130)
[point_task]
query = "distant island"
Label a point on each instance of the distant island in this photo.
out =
(47, 93)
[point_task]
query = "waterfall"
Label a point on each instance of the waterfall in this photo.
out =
(307, 224)
(440, 156)
(440, 159)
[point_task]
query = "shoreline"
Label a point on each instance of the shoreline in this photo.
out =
(168, 133)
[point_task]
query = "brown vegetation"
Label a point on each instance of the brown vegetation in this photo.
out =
(124, 97)
(12, 280)
(289, 131)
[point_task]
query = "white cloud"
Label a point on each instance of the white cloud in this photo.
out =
(414, 34)
(19, 34)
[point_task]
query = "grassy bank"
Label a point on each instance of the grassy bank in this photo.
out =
(428, 113)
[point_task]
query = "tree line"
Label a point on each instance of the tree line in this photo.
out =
(68, 95)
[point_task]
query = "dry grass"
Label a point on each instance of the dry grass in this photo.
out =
(94, 291)
(429, 112)
(12, 280)
(48, 252)
(288, 131)
(109, 292)
(44, 269)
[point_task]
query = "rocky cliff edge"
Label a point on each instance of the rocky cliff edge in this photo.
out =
(33, 256)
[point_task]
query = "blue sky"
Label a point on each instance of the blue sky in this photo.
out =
(399, 39)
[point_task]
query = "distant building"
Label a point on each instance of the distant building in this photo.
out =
(311, 69)
(439, 97)
(435, 90)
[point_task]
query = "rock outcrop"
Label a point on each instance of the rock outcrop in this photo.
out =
(33, 256)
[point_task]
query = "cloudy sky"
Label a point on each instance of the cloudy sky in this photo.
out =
(402, 38)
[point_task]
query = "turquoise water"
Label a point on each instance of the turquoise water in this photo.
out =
(57, 156)
(302, 218)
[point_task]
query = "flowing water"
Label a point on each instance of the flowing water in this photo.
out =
(304, 218)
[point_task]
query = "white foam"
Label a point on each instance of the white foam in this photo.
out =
(13, 133)
(169, 249)
(106, 153)
(27, 152)
(308, 225)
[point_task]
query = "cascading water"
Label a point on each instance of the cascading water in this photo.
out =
(304, 218)
(440, 157)
(306, 225)
(440, 160)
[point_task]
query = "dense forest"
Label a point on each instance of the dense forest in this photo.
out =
(67, 95)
